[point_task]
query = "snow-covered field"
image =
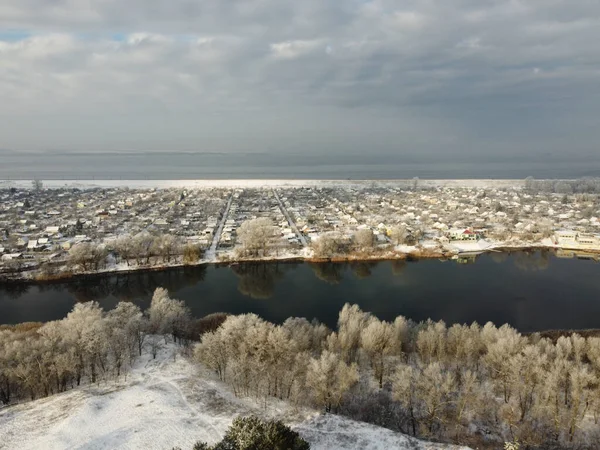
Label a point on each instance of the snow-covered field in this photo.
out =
(170, 402)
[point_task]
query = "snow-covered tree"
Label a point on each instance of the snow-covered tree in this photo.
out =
(255, 235)
(351, 322)
(329, 378)
(379, 340)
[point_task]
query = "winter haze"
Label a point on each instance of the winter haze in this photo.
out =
(431, 81)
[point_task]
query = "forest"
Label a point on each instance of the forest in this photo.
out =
(481, 386)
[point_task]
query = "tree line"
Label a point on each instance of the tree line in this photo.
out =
(586, 185)
(143, 249)
(467, 384)
(90, 345)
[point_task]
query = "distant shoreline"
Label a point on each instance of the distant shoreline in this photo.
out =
(256, 183)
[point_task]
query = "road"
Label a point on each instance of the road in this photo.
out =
(211, 253)
(289, 219)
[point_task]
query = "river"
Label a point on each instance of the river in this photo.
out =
(531, 291)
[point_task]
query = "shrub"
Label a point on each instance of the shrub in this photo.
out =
(252, 433)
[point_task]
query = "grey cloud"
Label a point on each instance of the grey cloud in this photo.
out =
(454, 73)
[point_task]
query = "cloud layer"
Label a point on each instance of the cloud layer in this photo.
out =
(480, 77)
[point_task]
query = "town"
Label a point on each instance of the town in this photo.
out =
(48, 233)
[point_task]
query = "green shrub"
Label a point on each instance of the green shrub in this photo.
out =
(252, 433)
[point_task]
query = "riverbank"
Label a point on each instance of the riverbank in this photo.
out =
(32, 276)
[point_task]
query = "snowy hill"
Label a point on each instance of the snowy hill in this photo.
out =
(165, 403)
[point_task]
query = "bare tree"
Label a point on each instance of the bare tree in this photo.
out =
(398, 234)
(167, 315)
(88, 256)
(326, 245)
(364, 239)
(415, 183)
(351, 322)
(166, 246)
(255, 236)
(37, 185)
(379, 340)
(191, 254)
(143, 246)
(125, 248)
(329, 378)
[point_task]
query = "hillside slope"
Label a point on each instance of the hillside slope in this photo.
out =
(165, 403)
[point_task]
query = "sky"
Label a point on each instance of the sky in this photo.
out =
(483, 79)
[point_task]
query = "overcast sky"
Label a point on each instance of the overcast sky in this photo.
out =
(487, 78)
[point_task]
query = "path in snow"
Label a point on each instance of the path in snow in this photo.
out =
(211, 253)
(289, 219)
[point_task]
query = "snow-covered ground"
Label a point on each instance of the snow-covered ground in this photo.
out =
(470, 246)
(171, 402)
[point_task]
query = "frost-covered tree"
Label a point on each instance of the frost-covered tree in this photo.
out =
(379, 340)
(327, 245)
(85, 332)
(427, 393)
(329, 377)
(88, 256)
(505, 343)
(166, 246)
(432, 341)
(255, 235)
(351, 322)
(125, 248)
(364, 239)
(126, 328)
(213, 352)
(191, 254)
(167, 315)
(37, 185)
(143, 246)
(398, 234)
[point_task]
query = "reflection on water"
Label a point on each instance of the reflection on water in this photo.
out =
(530, 290)
(398, 267)
(363, 269)
(329, 272)
(533, 261)
(14, 291)
(123, 287)
(499, 257)
(257, 280)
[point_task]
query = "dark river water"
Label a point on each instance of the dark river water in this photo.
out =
(531, 291)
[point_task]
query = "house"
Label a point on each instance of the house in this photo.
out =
(564, 238)
(22, 241)
(462, 234)
(11, 256)
(576, 240)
